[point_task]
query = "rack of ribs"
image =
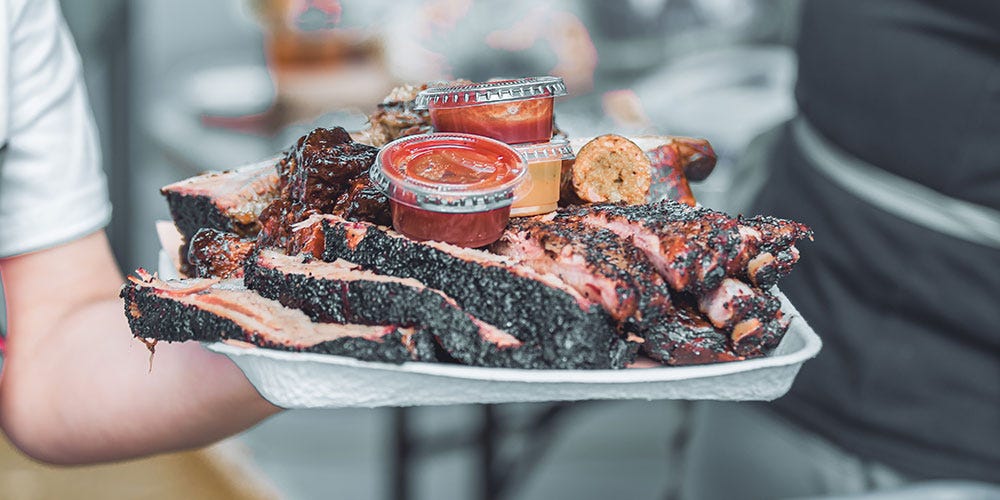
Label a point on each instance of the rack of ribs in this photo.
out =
(694, 248)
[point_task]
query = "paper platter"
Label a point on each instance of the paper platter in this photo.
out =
(307, 380)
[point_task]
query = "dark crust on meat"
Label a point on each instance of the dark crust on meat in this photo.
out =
(325, 172)
(701, 241)
(193, 212)
(687, 339)
(164, 319)
(609, 256)
(546, 319)
(373, 302)
(214, 253)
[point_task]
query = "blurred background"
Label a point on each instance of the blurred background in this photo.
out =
(186, 86)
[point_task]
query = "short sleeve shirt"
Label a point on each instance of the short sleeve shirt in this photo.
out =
(52, 187)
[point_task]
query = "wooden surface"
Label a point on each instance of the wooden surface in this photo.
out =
(212, 473)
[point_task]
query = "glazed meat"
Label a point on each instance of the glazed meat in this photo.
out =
(559, 327)
(767, 249)
(214, 310)
(218, 254)
(687, 339)
(325, 172)
(342, 292)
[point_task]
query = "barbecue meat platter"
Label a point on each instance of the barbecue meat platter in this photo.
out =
(298, 254)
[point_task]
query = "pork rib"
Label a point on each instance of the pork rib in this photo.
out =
(688, 339)
(559, 327)
(694, 248)
(690, 246)
(342, 292)
(213, 310)
(752, 316)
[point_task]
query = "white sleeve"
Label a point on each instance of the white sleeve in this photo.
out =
(52, 188)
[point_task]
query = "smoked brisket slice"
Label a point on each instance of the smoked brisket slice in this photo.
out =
(559, 327)
(344, 293)
(214, 310)
(228, 201)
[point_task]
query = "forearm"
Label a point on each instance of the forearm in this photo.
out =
(88, 392)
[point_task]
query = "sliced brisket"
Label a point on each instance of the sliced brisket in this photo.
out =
(213, 310)
(227, 201)
(559, 327)
(342, 292)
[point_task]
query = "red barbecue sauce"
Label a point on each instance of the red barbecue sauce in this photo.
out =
(454, 188)
(513, 122)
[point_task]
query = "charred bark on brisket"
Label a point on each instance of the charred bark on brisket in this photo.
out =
(597, 263)
(559, 330)
(228, 201)
(339, 292)
(210, 311)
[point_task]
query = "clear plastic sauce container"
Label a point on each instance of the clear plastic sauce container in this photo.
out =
(539, 193)
(455, 188)
(512, 111)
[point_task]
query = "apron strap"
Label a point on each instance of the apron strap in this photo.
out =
(896, 195)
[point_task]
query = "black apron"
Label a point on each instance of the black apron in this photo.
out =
(910, 316)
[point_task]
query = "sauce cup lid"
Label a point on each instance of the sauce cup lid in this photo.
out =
(489, 92)
(456, 173)
(556, 149)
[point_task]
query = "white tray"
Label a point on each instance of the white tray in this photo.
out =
(307, 380)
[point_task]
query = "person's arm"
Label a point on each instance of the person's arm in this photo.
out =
(77, 388)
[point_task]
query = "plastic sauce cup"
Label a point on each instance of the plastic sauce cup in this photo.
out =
(539, 193)
(512, 111)
(455, 188)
